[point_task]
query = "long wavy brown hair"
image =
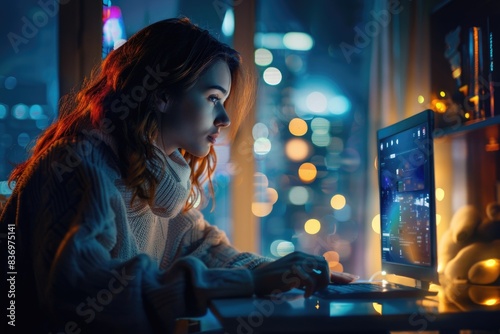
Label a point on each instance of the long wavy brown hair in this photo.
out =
(163, 60)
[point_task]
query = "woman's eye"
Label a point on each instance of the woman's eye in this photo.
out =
(214, 99)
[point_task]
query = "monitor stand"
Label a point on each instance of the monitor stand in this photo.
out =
(408, 281)
(424, 285)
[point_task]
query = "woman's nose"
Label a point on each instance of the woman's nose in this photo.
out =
(222, 120)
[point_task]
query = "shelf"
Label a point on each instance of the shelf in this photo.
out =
(467, 127)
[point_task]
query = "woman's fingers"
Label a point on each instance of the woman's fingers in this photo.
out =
(342, 278)
(313, 273)
(296, 270)
(307, 281)
(322, 273)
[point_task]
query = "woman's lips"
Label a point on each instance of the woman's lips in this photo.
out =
(213, 138)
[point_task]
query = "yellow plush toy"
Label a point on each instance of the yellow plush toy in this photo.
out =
(469, 252)
(458, 235)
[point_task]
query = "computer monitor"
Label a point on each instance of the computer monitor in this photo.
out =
(407, 198)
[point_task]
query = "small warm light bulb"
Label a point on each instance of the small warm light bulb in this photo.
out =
(307, 172)
(491, 302)
(420, 99)
(442, 94)
(312, 226)
(456, 73)
(297, 127)
(440, 106)
(439, 194)
(338, 202)
(490, 263)
(297, 149)
(474, 99)
(332, 257)
(261, 209)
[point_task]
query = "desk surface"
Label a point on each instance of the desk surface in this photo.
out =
(449, 311)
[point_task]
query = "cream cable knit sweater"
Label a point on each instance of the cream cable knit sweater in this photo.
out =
(88, 260)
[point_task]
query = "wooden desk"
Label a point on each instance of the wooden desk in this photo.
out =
(291, 313)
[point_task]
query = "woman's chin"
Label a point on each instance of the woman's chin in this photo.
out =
(199, 153)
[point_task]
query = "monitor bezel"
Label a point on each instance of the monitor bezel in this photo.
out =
(420, 273)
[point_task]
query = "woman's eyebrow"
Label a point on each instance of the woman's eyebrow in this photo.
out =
(224, 91)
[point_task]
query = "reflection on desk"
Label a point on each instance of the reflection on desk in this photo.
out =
(291, 313)
(467, 296)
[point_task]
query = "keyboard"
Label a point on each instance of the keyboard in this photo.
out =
(372, 290)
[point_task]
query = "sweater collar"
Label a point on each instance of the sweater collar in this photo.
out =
(173, 175)
(173, 187)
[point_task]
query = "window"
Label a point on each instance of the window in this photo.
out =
(29, 87)
(310, 134)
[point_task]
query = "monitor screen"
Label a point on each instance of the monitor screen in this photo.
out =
(406, 192)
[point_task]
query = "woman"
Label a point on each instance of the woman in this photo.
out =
(107, 234)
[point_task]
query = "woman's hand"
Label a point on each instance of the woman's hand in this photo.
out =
(295, 270)
(342, 278)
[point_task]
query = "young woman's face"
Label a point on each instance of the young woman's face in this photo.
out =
(194, 123)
